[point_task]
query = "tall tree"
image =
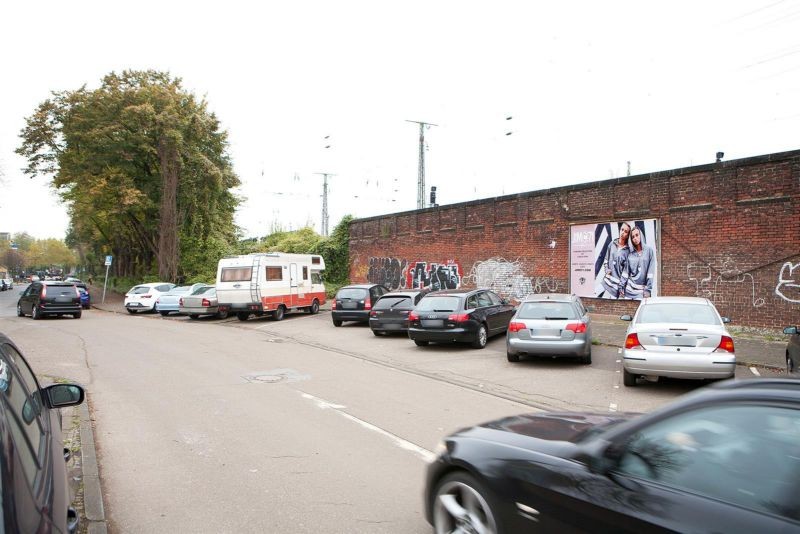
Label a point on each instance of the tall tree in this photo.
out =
(142, 165)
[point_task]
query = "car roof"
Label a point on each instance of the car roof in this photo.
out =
(401, 294)
(557, 297)
(56, 283)
(675, 300)
(453, 292)
(360, 286)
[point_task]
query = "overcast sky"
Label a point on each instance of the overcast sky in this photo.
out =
(590, 86)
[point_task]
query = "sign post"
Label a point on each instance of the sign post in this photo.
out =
(105, 281)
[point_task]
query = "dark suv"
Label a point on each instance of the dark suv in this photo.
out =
(50, 298)
(460, 315)
(353, 303)
(33, 479)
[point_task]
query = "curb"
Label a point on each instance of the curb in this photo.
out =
(92, 494)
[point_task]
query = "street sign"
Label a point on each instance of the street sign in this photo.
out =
(108, 260)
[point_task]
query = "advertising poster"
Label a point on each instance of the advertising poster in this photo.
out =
(615, 260)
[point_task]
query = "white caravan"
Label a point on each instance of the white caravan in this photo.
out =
(270, 283)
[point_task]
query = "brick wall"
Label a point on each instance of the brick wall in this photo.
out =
(730, 232)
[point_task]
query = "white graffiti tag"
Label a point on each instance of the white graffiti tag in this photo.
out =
(787, 282)
(508, 279)
(729, 275)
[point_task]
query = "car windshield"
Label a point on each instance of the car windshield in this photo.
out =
(676, 312)
(352, 293)
(387, 301)
(547, 310)
(439, 304)
(205, 290)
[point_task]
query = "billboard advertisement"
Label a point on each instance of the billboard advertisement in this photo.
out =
(615, 260)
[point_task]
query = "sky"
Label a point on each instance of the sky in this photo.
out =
(313, 87)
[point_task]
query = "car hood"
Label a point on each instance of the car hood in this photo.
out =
(570, 427)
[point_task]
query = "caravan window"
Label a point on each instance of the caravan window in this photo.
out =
(274, 273)
(305, 273)
(316, 277)
(236, 274)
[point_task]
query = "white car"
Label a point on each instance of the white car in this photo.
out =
(677, 337)
(144, 296)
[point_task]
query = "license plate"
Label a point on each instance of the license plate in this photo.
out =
(546, 332)
(63, 299)
(349, 305)
(432, 323)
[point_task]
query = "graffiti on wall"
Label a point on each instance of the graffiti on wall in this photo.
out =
(726, 282)
(788, 287)
(396, 273)
(508, 279)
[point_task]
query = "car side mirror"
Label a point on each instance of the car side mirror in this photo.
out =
(626, 318)
(598, 455)
(726, 320)
(791, 330)
(63, 395)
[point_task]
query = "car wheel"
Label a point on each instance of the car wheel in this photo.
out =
(514, 358)
(461, 504)
(35, 313)
(314, 309)
(789, 365)
(193, 316)
(278, 314)
(587, 360)
(481, 338)
(242, 316)
(628, 379)
(131, 311)
(221, 315)
(164, 313)
(77, 315)
(337, 322)
(377, 333)
(19, 311)
(421, 343)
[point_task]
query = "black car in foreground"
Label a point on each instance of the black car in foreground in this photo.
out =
(353, 303)
(50, 298)
(390, 313)
(725, 458)
(459, 315)
(33, 474)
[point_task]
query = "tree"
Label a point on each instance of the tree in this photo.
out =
(142, 164)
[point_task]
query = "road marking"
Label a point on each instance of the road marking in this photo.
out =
(425, 454)
(755, 371)
(619, 361)
(619, 351)
(612, 407)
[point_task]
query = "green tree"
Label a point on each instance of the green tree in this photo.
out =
(142, 165)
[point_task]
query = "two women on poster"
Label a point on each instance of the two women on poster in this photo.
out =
(629, 265)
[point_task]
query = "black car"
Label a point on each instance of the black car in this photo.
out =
(390, 313)
(792, 350)
(725, 458)
(50, 298)
(353, 303)
(35, 491)
(459, 315)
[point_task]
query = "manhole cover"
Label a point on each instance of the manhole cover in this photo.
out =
(275, 375)
(267, 378)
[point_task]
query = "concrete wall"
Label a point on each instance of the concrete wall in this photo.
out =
(730, 232)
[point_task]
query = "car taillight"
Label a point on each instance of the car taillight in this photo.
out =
(368, 304)
(458, 317)
(77, 291)
(333, 304)
(206, 303)
(578, 328)
(147, 296)
(516, 327)
(373, 313)
(180, 301)
(412, 316)
(725, 345)
(44, 291)
(632, 342)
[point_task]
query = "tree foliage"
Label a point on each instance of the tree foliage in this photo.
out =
(143, 167)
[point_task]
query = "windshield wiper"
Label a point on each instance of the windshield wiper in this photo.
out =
(556, 318)
(443, 310)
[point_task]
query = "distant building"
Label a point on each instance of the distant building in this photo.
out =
(5, 236)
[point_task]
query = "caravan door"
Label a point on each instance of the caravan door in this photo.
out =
(293, 284)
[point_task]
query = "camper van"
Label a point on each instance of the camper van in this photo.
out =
(270, 284)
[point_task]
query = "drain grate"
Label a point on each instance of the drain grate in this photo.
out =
(275, 375)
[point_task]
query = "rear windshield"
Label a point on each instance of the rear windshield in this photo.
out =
(547, 310)
(236, 274)
(444, 304)
(205, 290)
(352, 293)
(140, 290)
(675, 312)
(180, 290)
(386, 302)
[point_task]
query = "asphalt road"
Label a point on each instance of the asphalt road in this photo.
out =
(291, 426)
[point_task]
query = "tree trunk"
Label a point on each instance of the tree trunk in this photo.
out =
(168, 222)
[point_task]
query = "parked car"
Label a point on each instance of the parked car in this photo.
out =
(32, 453)
(49, 298)
(677, 337)
(353, 303)
(721, 459)
(144, 296)
(86, 300)
(169, 302)
(202, 301)
(792, 350)
(459, 315)
(553, 324)
(390, 312)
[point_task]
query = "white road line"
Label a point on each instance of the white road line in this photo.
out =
(619, 351)
(612, 407)
(755, 371)
(425, 454)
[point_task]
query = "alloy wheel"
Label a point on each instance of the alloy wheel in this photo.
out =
(460, 507)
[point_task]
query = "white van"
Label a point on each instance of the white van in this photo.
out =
(270, 283)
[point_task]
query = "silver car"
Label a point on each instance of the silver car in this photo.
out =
(552, 324)
(202, 301)
(677, 337)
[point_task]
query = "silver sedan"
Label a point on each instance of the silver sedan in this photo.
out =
(202, 301)
(677, 337)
